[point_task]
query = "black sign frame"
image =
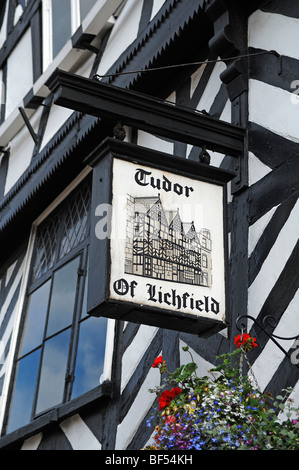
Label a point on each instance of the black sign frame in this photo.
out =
(100, 302)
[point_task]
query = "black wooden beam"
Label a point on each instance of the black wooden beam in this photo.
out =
(145, 112)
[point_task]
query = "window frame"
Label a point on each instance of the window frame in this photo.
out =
(80, 251)
(47, 29)
(59, 413)
(69, 406)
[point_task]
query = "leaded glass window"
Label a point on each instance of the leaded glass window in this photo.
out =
(46, 246)
(61, 352)
(75, 226)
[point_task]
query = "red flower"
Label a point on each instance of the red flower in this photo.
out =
(176, 391)
(164, 399)
(157, 362)
(170, 419)
(167, 396)
(247, 341)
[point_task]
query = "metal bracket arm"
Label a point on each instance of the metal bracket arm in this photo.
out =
(270, 321)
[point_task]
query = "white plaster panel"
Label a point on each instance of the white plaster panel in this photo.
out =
(85, 68)
(3, 27)
(271, 31)
(58, 116)
(294, 395)
(79, 434)
(32, 443)
(257, 169)
(216, 157)
(21, 149)
(19, 72)
(142, 403)
(152, 142)
(20, 157)
(18, 14)
(267, 363)
(157, 4)
(130, 358)
(274, 263)
(6, 338)
(9, 272)
(270, 358)
(123, 34)
(257, 229)
(272, 108)
(212, 88)
(226, 114)
(203, 365)
(2, 89)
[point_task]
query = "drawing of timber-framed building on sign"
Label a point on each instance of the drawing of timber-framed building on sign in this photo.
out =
(161, 245)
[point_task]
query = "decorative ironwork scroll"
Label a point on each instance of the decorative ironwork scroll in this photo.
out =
(269, 321)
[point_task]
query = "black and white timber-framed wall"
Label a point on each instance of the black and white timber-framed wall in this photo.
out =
(45, 188)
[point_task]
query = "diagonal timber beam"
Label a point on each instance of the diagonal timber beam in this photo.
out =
(144, 112)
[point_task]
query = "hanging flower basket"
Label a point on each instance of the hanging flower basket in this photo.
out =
(222, 412)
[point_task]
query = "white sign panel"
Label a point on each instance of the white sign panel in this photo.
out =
(166, 241)
(158, 252)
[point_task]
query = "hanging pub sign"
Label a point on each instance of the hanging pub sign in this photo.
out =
(158, 250)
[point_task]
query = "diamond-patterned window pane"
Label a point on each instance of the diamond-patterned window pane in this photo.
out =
(75, 227)
(45, 248)
(73, 214)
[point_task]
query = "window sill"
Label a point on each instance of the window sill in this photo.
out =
(57, 415)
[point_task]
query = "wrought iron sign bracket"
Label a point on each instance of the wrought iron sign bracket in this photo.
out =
(269, 321)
